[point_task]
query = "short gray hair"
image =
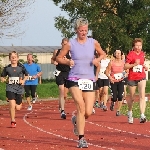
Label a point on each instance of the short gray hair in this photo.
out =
(80, 22)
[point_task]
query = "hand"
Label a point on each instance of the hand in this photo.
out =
(21, 82)
(146, 68)
(95, 62)
(3, 79)
(71, 63)
(96, 78)
(34, 77)
(55, 63)
(111, 80)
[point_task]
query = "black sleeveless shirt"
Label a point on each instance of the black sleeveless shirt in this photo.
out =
(62, 67)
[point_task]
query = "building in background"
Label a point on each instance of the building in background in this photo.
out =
(43, 53)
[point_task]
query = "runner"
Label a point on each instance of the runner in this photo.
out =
(136, 77)
(125, 80)
(61, 74)
(114, 72)
(81, 79)
(32, 81)
(17, 75)
(103, 82)
(96, 72)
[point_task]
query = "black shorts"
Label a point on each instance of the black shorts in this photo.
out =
(97, 88)
(70, 84)
(61, 78)
(125, 81)
(102, 82)
(14, 96)
(30, 90)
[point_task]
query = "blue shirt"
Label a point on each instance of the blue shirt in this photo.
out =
(33, 69)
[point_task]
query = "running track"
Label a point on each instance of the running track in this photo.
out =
(42, 129)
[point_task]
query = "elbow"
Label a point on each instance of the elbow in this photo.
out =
(57, 59)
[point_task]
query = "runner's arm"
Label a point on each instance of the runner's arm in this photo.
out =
(53, 59)
(60, 58)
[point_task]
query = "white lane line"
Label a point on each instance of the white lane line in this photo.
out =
(57, 135)
(111, 128)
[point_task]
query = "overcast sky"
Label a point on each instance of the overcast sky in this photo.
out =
(40, 30)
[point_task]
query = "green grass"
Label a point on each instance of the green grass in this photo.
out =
(136, 110)
(44, 90)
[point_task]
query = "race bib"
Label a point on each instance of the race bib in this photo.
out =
(56, 72)
(137, 68)
(85, 84)
(118, 76)
(102, 71)
(30, 78)
(13, 80)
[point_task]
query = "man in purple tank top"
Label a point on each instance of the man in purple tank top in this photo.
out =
(81, 79)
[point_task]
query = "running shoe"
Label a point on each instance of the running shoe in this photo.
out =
(13, 124)
(75, 130)
(105, 108)
(96, 104)
(29, 108)
(112, 106)
(118, 113)
(34, 100)
(130, 118)
(101, 105)
(82, 143)
(143, 119)
(63, 115)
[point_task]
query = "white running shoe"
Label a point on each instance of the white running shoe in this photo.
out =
(29, 108)
(130, 118)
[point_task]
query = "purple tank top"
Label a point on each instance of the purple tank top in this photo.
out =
(82, 55)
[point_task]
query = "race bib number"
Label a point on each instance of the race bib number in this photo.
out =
(85, 84)
(56, 72)
(118, 76)
(30, 78)
(102, 71)
(13, 80)
(137, 68)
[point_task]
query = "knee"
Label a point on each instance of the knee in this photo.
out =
(87, 114)
(18, 107)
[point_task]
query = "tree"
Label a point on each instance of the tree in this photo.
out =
(12, 12)
(114, 23)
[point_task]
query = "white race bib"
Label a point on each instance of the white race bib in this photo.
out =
(30, 78)
(102, 71)
(13, 80)
(118, 76)
(56, 72)
(85, 84)
(137, 68)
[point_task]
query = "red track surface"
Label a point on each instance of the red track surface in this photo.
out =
(42, 129)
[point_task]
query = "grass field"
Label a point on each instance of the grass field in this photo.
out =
(49, 89)
(136, 110)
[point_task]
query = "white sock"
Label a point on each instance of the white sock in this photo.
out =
(129, 112)
(142, 116)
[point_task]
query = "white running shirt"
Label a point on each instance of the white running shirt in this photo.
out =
(104, 63)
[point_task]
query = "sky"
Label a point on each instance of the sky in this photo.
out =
(39, 27)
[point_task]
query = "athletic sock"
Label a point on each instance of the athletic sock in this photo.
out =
(142, 116)
(81, 136)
